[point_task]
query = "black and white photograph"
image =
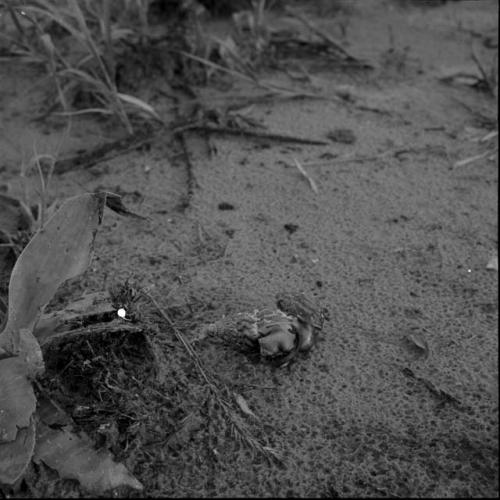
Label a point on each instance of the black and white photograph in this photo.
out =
(249, 249)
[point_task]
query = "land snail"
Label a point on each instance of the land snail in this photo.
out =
(282, 333)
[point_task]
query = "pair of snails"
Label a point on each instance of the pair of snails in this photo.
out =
(280, 334)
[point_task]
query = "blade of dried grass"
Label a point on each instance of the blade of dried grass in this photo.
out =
(134, 101)
(313, 185)
(471, 159)
(102, 111)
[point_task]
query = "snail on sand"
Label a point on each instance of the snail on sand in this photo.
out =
(282, 333)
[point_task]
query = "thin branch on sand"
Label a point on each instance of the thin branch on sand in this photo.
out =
(248, 133)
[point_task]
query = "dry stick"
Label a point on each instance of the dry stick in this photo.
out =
(359, 159)
(248, 133)
(191, 179)
(105, 152)
(250, 440)
(472, 159)
(346, 159)
(480, 67)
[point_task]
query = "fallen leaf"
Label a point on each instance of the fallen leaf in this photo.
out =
(74, 457)
(416, 338)
(242, 403)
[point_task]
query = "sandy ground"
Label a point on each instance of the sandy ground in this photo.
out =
(392, 244)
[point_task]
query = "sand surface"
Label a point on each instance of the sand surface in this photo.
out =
(395, 241)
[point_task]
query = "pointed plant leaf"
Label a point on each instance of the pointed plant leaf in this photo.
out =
(17, 399)
(59, 251)
(15, 456)
(74, 457)
(138, 103)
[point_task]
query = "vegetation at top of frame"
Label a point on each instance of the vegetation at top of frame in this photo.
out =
(96, 53)
(82, 45)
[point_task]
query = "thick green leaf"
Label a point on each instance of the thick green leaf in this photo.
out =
(16, 455)
(59, 251)
(74, 457)
(17, 399)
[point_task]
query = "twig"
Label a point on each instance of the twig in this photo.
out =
(432, 388)
(489, 136)
(471, 159)
(248, 133)
(345, 159)
(485, 120)
(306, 175)
(191, 180)
(271, 97)
(351, 157)
(481, 69)
(105, 152)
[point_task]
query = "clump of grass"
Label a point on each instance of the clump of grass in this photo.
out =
(87, 61)
(240, 53)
